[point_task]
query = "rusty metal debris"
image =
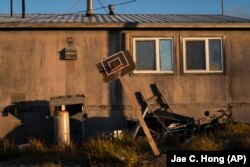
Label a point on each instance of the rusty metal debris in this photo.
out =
(161, 120)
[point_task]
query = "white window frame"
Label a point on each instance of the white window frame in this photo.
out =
(206, 39)
(157, 49)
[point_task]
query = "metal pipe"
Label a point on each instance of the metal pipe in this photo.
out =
(89, 11)
(23, 8)
(222, 7)
(111, 9)
(11, 8)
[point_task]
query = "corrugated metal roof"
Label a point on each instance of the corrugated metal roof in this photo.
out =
(121, 18)
(135, 21)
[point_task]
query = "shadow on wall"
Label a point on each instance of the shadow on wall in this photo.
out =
(116, 43)
(31, 119)
(116, 101)
(28, 119)
(97, 125)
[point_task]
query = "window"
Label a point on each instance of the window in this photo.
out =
(153, 55)
(202, 55)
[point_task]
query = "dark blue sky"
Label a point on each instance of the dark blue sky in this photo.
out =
(239, 8)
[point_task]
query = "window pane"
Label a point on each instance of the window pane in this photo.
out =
(195, 55)
(145, 55)
(166, 55)
(215, 54)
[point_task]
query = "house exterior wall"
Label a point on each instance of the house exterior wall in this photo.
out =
(190, 94)
(31, 71)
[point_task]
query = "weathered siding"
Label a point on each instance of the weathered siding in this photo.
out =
(31, 70)
(30, 64)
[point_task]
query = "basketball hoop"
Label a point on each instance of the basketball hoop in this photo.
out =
(117, 70)
(116, 66)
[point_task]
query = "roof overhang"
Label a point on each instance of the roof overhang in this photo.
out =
(12, 26)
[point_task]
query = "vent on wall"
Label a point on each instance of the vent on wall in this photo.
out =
(70, 52)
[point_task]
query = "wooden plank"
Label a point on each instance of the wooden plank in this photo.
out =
(152, 99)
(65, 100)
(138, 123)
(138, 114)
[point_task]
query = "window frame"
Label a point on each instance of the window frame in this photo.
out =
(207, 55)
(157, 54)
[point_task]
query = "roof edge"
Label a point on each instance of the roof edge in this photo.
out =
(124, 25)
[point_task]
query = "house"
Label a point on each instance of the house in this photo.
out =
(199, 62)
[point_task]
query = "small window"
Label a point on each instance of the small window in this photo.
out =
(153, 55)
(202, 55)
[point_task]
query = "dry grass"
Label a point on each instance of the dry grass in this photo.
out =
(122, 152)
(238, 128)
(7, 149)
(36, 148)
(38, 152)
(119, 152)
(234, 136)
(246, 142)
(202, 143)
(46, 164)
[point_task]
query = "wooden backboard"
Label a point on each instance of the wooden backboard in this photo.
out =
(120, 61)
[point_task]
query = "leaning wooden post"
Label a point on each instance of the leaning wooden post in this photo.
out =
(139, 116)
(116, 66)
